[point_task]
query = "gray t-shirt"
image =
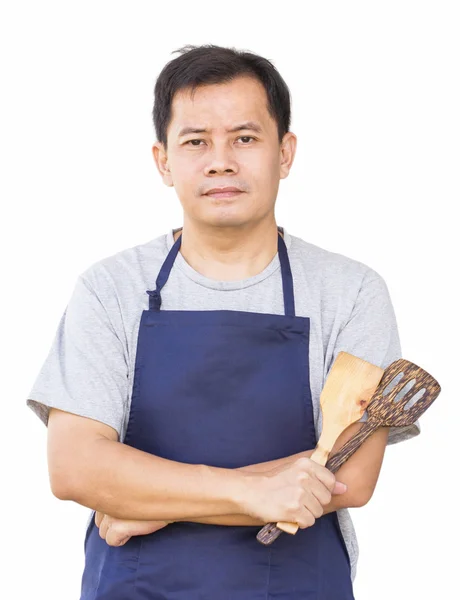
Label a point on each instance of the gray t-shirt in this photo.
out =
(90, 366)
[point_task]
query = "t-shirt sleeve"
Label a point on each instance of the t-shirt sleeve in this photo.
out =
(86, 370)
(371, 333)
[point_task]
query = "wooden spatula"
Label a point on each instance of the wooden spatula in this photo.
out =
(349, 386)
(383, 411)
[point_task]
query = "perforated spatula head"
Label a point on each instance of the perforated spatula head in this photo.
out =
(385, 410)
(390, 413)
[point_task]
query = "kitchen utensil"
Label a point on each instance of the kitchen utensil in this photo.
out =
(383, 411)
(349, 386)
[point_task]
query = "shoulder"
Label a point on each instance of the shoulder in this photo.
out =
(333, 272)
(125, 269)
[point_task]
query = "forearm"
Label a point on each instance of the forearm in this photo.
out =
(359, 473)
(235, 519)
(241, 519)
(226, 520)
(273, 465)
(160, 489)
(126, 483)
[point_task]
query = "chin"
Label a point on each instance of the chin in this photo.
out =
(225, 220)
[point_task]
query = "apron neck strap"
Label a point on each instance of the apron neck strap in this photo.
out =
(286, 275)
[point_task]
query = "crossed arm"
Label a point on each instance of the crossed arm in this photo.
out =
(360, 474)
(88, 465)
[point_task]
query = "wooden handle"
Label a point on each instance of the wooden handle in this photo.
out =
(270, 532)
(319, 456)
(348, 449)
(382, 411)
(349, 387)
(334, 464)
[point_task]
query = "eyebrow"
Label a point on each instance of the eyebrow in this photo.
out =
(251, 125)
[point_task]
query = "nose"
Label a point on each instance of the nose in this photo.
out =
(221, 160)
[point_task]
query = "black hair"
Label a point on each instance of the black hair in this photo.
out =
(211, 64)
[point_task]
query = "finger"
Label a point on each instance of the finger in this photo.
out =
(305, 519)
(325, 476)
(103, 528)
(314, 506)
(339, 488)
(123, 542)
(98, 518)
(321, 493)
(114, 538)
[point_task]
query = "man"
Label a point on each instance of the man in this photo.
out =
(181, 392)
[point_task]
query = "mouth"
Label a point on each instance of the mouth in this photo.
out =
(228, 194)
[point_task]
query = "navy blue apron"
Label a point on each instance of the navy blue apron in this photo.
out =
(227, 389)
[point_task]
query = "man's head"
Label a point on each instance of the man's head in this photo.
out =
(218, 90)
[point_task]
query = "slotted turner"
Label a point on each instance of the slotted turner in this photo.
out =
(348, 389)
(383, 411)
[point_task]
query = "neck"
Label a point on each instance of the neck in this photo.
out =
(229, 253)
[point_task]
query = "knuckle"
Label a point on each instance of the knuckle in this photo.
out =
(117, 528)
(319, 511)
(330, 481)
(303, 462)
(303, 476)
(310, 467)
(294, 505)
(308, 520)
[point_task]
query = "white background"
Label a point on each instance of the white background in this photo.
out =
(375, 89)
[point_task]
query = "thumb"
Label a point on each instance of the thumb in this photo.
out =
(339, 488)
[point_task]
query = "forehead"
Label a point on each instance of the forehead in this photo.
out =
(221, 106)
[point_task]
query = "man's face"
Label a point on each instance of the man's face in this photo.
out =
(250, 159)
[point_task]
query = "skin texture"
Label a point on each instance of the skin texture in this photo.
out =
(231, 238)
(360, 474)
(88, 465)
(135, 493)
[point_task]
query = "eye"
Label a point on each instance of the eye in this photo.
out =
(190, 141)
(246, 137)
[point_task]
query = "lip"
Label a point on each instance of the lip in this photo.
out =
(225, 192)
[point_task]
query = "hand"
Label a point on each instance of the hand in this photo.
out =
(296, 493)
(117, 532)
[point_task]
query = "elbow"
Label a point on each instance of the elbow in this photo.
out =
(60, 485)
(65, 475)
(70, 484)
(60, 489)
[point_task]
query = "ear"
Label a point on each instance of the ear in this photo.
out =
(161, 160)
(287, 152)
